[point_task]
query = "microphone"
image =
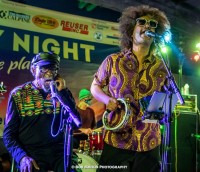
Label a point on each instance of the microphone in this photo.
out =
(64, 101)
(53, 87)
(152, 34)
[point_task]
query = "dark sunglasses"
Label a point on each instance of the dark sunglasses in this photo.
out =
(45, 69)
(88, 101)
(142, 22)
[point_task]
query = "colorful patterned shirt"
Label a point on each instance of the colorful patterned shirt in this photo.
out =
(33, 124)
(119, 72)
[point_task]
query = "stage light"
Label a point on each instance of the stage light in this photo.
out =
(164, 49)
(82, 4)
(198, 45)
(162, 129)
(198, 71)
(195, 57)
(90, 7)
(167, 37)
(87, 6)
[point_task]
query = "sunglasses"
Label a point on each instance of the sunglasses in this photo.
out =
(88, 101)
(45, 69)
(142, 22)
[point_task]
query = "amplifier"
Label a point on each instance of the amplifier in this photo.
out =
(190, 105)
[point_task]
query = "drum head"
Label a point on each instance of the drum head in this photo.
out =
(87, 163)
(119, 119)
(116, 117)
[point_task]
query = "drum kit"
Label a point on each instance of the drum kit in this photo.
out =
(90, 150)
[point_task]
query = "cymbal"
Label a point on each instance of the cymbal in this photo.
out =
(94, 130)
(98, 129)
(78, 134)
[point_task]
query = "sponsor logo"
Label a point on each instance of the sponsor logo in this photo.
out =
(45, 22)
(74, 27)
(115, 42)
(114, 28)
(116, 35)
(99, 26)
(3, 14)
(12, 15)
(98, 36)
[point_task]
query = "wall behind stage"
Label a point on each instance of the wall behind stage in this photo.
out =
(81, 42)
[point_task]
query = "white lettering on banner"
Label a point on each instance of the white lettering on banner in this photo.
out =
(1, 65)
(87, 51)
(1, 32)
(49, 41)
(18, 16)
(51, 44)
(25, 44)
(18, 65)
(73, 50)
(36, 42)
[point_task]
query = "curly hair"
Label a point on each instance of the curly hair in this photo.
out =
(127, 22)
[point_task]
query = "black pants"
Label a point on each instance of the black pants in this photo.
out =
(52, 159)
(115, 159)
(58, 166)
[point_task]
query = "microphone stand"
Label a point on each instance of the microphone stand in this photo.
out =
(68, 144)
(173, 89)
(68, 131)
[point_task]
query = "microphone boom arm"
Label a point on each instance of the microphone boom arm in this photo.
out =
(171, 79)
(71, 114)
(55, 94)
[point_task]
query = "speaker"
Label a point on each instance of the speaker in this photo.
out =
(184, 147)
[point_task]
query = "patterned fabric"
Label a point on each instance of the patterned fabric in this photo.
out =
(120, 73)
(30, 102)
(32, 129)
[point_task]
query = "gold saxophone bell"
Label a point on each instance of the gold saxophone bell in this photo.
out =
(124, 119)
